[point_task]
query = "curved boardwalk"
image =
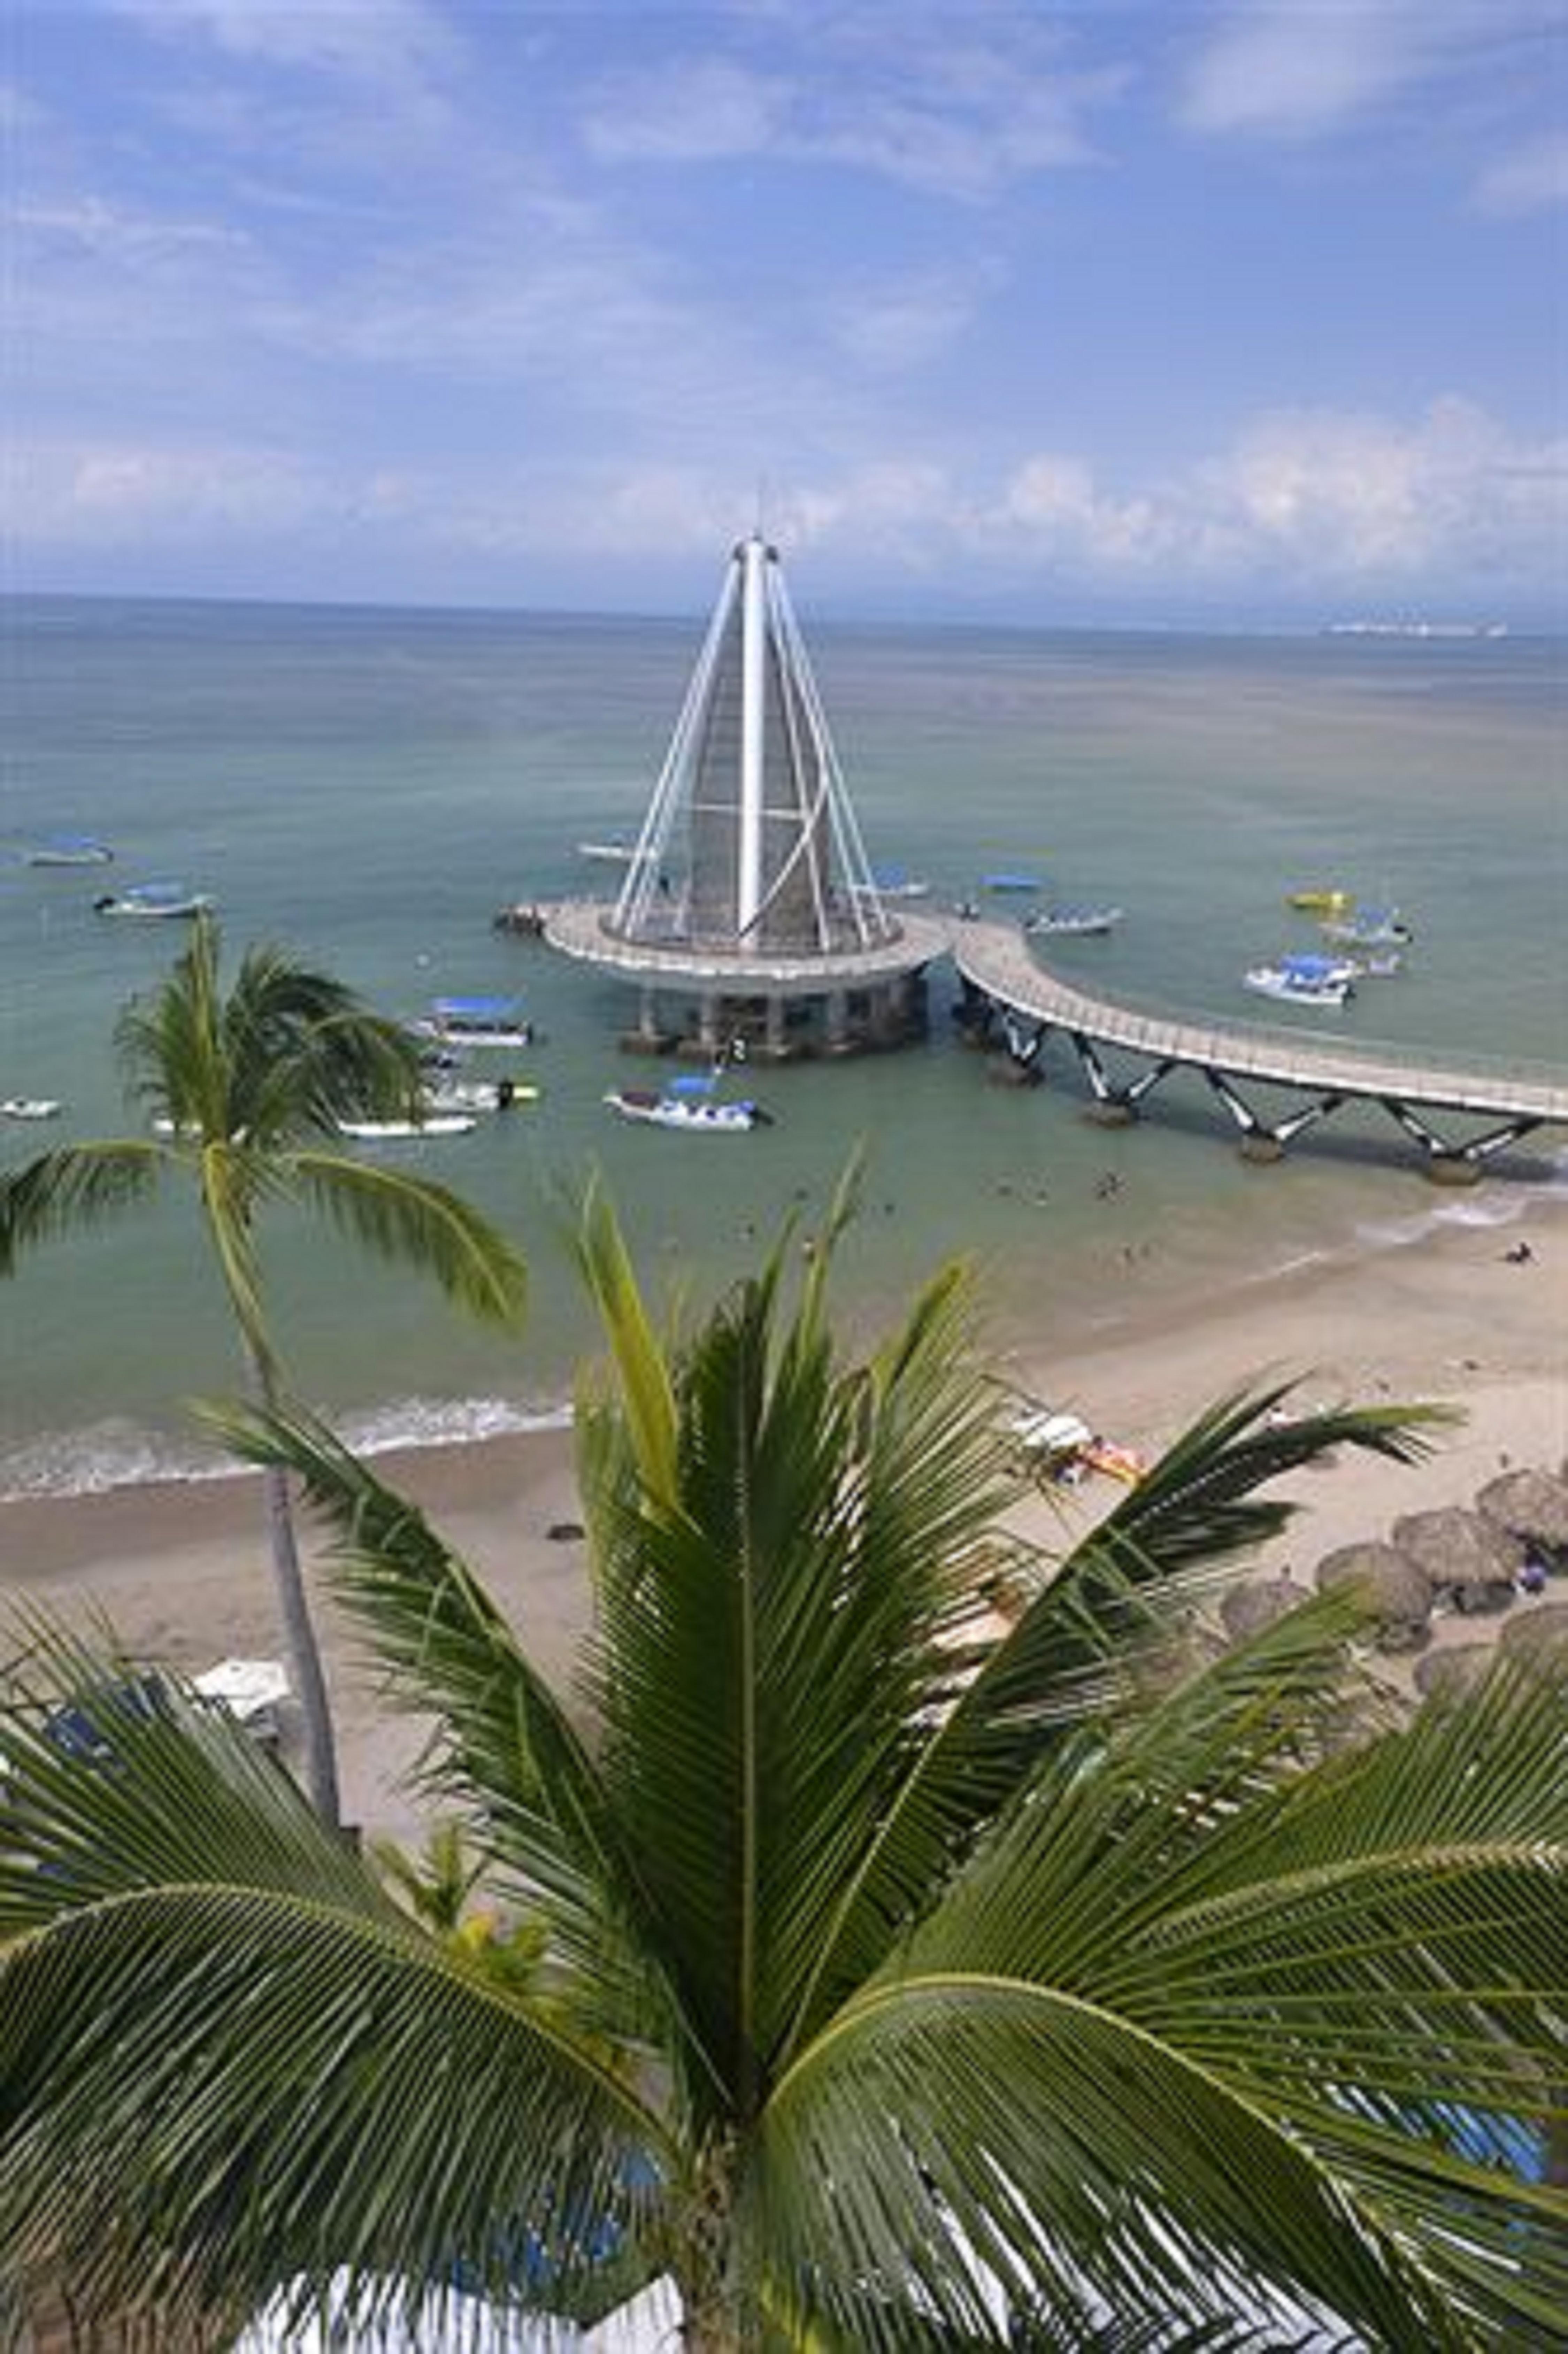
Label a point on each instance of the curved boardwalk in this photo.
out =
(1002, 976)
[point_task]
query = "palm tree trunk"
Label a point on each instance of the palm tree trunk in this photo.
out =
(305, 1650)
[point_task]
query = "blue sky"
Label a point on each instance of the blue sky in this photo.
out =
(1157, 315)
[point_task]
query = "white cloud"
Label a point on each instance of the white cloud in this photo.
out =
(1277, 67)
(1532, 179)
(1305, 504)
(891, 327)
(368, 41)
(113, 493)
(697, 112)
(1365, 497)
(957, 115)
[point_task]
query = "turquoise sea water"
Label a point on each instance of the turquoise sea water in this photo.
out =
(368, 786)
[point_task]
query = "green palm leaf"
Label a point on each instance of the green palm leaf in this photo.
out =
(504, 1746)
(78, 1185)
(411, 1220)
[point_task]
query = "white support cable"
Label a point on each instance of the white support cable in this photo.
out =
(649, 859)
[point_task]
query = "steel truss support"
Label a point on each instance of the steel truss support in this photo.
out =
(1456, 1163)
(1266, 1138)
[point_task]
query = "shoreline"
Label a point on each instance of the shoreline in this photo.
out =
(178, 1569)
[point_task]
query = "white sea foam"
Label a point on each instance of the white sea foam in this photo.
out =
(105, 1455)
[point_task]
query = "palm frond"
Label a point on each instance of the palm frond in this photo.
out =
(1312, 1929)
(771, 1644)
(1200, 1505)
(212, 2091)
(504, 1747)
(954, 2128)
(76, 1186)
(417, 1223)
(646, 1389)
(1119, 1597)
(118, 1779)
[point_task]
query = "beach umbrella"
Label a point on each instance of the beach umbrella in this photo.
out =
(1454, 1670)
(1531, 1505)
(1535, 1624)
(1248, 1609)
(1472, 1560)
(1396, 1589)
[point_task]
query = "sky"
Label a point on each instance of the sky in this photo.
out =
(1193, 313)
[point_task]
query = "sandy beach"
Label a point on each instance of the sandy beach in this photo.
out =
(179, 1571)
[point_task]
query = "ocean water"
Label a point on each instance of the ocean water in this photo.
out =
(368, 786)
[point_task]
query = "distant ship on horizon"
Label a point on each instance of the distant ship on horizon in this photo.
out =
(1414, 629)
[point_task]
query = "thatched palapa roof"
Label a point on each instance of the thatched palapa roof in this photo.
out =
(1397, 1590)
(1462, 1554)
(1531, 1505)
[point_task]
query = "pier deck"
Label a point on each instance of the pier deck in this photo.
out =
(998, 967)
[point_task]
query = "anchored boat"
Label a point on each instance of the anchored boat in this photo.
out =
(1066, 923)
(1369, 927)
(68, 850)
(401, 1131)
(475, 1021)
(1303, 980)
(152, 900)
(688, 1103)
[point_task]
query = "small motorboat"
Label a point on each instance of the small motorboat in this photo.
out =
(1069, 923)
(410, 1131)
(893, 883)
(1321, 902)
(30, 1107)
(692, 1111)
(522, 918)
(452, 1095)
(475, 1021)
(1369, 927)
(1011, 882)
(608, 853)
(1316, 981)
(68, 850)
(152, 900)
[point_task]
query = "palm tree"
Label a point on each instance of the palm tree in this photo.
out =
(244, 1092)
(899, 1988)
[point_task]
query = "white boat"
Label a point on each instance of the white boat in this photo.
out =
(1303, 980)
(695, 1114)
(893, 883)
(475, 1021)
(479, 1095)
(398, 1132)
(152, 900)
(1070, 922)
(29, 1108)
(1369, 927)
(68, 850)
(608, 853)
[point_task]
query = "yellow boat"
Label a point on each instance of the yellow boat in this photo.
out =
(1322, 903)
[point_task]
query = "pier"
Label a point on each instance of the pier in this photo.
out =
(1013, 1002)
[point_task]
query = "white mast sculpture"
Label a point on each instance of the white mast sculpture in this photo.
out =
(750, 843)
